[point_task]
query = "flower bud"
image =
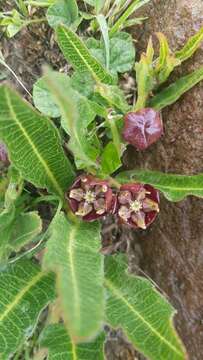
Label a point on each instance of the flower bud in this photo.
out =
(138, 205)
(142, 128)
(91, 198)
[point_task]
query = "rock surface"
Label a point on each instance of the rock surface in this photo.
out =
(172, 250)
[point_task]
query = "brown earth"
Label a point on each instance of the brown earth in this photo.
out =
(171, 251)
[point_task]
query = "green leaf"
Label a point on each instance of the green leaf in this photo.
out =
(79, 56)
(110, 160)
(135, 5)
(166, 61)
(77, 114)
(62, 12)
(145, 77)
(190, 47)
(21, 230)
(73, 253)
(174, 187)
(114, 97)
(34, 144)
(43, 99)
(24, 229)
(40, 3)
(122, 52)
(104, 30)
(174, 91)
(144, 315)
(83, 83)
(24, 292)
(98, 4)
(56, 339)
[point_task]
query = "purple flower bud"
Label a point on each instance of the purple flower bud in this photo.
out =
(142, 128)
(4, 155)
(91, 198)
(137, 205)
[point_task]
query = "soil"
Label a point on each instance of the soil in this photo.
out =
(171, 251)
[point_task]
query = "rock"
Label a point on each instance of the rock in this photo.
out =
(173, 247)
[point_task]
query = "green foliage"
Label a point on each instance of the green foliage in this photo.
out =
(174, 187)
(145, 77)
(121, 52)
(120, 23)
(24, 292)
(76, 116)
(55, 338)
(190, 47)
(40, 158)
(110, 159)
(79, 56)
(19, 230)
(135, 306)
(43, 99)
(174, 91)
(166, 61)
(73, 253)
(62, 12)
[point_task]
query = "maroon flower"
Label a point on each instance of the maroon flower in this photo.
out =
(91, 198)
(138, 205)
(4, 155)
(142, 128)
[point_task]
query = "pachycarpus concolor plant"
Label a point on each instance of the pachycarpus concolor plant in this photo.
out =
(142, 128)
(91, 198)
(138, 205)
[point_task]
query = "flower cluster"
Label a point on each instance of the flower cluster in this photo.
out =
(135, 204)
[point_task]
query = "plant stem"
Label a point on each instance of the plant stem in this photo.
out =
(35, 21)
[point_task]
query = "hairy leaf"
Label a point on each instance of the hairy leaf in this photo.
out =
(166, 61)
(175, 187)
(77, 114)
(144, 315)
(79, 56)
(24, 292)
(43, 99)
(62, 12)
(114, 96)
(34, 144)
(145, 77)
(110, 160)
(73, 253)
(135, 5)
(190, 47)
(104, 30)
(174, 91)
(56, 339)
(122, 52)
(21, 230)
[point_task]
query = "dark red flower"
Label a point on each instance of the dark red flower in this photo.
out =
(142, 128)
(138, 205)
(4, 155)
(91, 198)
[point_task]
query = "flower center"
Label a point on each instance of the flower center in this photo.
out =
(135, 205)
(90, 196)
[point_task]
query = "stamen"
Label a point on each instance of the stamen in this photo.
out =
(100, 206)
(150, 205)
(124, 213)
(77, 194)
(139, 220)
(84, 209)
(124, 197)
